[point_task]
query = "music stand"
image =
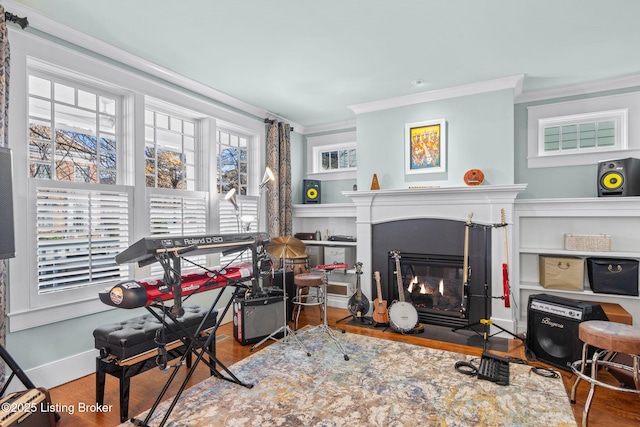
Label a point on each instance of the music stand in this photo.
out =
(284, 247)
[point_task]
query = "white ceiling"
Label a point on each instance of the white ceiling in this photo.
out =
(308, 61)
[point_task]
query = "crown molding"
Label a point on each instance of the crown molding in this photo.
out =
(511, 82)
(577, 90)
(63, 32)
(331, 127)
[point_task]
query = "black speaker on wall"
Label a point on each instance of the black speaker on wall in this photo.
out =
(552, 328)
(311, 191)
(7, 239)
(619, 178)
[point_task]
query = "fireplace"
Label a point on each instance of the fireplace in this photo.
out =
(431, 222)
(431, 257)
(434, 284)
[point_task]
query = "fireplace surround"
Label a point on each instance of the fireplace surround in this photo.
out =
(432, 221)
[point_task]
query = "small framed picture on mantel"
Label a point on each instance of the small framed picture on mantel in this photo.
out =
(426, 147)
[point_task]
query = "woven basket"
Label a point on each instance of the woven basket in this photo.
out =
(594, 243)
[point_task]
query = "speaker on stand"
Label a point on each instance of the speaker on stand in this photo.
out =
(311, 191)
(552, 328)
(619, 178)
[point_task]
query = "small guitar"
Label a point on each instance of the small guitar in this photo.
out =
(403, 316)
(380, 312)
(358, 303)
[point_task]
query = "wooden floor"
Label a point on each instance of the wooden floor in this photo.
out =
(608, 408)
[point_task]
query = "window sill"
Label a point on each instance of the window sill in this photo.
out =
(578, 159)
(332, 176)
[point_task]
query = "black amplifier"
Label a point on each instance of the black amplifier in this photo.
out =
(255, 318)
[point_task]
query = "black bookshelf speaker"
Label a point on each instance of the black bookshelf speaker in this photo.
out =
(7, 238)
(619, 178)
(311, 191)
(552, 328)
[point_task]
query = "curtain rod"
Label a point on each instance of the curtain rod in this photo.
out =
(23, 22)
(269, 121)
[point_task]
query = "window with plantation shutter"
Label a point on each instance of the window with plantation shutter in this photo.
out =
(178, 215)
(79, 232)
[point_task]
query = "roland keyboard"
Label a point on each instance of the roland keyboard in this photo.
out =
(145, 251)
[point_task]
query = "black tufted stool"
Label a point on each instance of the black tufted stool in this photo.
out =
(129, 348)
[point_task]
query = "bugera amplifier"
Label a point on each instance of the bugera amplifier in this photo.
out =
(255, 318)
(311, 191)
(619, 178)
(28, 408)
(552, 328)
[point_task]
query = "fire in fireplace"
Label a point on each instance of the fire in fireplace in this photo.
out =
(433, 284)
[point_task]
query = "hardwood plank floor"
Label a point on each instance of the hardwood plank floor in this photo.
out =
(608, 408)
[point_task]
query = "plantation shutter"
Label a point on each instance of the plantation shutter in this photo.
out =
(79, 232)
(178, 215)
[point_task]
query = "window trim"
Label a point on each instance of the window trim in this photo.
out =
(583, 109)
(331, 142)
(22, 312)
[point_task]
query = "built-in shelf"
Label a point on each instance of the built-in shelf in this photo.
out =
(539, 228)
(329, 243)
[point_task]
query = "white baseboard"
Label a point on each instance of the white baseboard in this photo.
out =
(68, 369)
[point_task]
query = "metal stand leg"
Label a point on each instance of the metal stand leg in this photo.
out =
(325, 324)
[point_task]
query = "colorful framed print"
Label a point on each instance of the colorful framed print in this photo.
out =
(426, 147)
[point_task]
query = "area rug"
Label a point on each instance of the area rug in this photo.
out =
(384, 383)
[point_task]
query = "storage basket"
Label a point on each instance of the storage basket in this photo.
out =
(591, 243)
(565, 273)
(613, 275)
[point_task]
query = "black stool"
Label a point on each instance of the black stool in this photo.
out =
(129, 348)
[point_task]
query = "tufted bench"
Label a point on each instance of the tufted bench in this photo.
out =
(129, 348)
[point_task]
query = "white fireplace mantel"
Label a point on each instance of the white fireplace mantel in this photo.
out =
(484, 203)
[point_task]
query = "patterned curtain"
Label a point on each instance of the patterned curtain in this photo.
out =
(4, 142)
(279, 220)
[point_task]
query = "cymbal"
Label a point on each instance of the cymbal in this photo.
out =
(286, 247)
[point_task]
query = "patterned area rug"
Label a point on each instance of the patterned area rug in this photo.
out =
(384, 383)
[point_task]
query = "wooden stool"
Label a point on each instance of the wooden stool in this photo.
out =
(609, 338)
(303, 283)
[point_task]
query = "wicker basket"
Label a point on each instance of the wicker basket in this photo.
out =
(594, 243)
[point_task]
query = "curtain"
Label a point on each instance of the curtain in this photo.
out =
(4, 142)
(279, 219)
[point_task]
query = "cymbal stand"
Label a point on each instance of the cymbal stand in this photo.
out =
(325, 324)
(284, 329)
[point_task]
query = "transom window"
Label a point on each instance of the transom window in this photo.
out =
(583, 132)
(338, 159)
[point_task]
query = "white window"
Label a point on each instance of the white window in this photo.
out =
(171, 148)
(79, 211)
(233, 183)
(581, 132)
(232, 160)
(94, 140)
(332, 157)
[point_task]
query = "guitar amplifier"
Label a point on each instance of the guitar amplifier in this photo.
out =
(255, 318)
(28, 408)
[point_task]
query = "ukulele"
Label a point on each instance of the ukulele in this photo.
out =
(380, 312)
(358, 304)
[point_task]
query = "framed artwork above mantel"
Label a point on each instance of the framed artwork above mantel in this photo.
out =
(426, 147)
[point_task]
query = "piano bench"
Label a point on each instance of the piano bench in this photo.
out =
(129, 348)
